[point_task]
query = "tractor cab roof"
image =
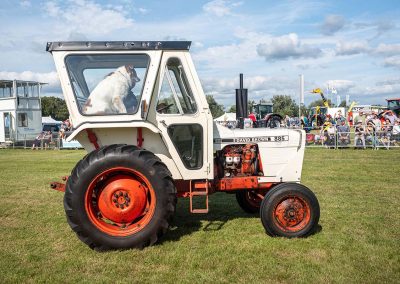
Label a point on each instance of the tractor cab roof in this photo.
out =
(116, 45)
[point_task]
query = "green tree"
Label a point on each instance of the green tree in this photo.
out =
(54, 107)
(215, 108)
(343, 103)
(285, 105)
(250, 105)
(319, 103)
(304, 110)
(232, 109)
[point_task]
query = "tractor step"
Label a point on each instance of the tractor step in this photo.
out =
(198, 189)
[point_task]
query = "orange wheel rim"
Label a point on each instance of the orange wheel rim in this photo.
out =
(292, 214)
(120, 201)
(253, 199)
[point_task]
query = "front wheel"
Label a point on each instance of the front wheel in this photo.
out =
(289, 210)
(119, 197)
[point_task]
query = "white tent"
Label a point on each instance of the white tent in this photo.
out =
(50, 120)
(228, 116)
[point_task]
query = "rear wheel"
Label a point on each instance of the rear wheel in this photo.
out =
(120, 196)
(289, 210)
(249, 201)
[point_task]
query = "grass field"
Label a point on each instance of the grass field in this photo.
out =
(359, 240)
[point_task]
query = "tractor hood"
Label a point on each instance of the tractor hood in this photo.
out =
(265, 137)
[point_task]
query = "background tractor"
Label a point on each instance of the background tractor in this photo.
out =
(394, 105)
(154, 140)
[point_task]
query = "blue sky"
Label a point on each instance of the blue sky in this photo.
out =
(352, 46)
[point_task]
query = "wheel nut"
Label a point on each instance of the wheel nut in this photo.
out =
(126, 195)
(121, 206)
(115, 195)
(128, 199)
(115, 200)
(120, 194)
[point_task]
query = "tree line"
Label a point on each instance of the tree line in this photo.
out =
(283, 104)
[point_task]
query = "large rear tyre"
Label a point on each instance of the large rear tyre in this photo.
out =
(119, 197)
(289, 210)
(249, 201)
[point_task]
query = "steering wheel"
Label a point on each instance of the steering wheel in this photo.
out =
(166, 107)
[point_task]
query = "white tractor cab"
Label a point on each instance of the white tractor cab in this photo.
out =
(139, 110)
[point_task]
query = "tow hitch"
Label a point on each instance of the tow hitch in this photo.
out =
(59, 185)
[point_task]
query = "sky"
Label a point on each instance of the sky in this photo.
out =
(350, 46)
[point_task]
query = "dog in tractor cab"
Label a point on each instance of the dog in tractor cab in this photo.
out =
(112, 93)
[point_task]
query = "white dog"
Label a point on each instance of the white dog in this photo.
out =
(108, 96)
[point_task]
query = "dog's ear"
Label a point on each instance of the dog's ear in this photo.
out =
(129, 68)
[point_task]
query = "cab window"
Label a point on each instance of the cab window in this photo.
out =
(175, 95)
(107, 84)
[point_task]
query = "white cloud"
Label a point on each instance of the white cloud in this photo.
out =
(391, 81)
(220, 8)
(51, 78)
(88, 17)
(393, 61)
(388, 49)
(226, 56)
(352, 47)
(340, 85)
(25, 4)
(287, 46)
(143, 11)
(52, 8)
(385, 90)
(332, 24)
(259, 87)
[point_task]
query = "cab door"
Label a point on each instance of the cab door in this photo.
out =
(182, 116)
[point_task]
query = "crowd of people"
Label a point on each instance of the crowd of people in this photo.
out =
(370, 129)
(43, 140)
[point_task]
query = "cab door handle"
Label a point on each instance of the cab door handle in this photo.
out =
(163, 123)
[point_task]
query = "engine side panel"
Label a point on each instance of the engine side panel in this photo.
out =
(281, 151)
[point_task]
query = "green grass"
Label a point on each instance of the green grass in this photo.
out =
(359, 239)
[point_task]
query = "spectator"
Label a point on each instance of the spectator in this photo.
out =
(339, 117)
(329, 133)
(67, 125)
(385, 133)
(47, 139)
(359, 134)
(38, 141)
(370, 133)
(287, 121)
(396, 130)
(253, 118)
(376, 121)
(359, 117)
(350, 117)
(343, 133)
(389, 114)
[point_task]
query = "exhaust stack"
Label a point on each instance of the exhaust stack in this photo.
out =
(241, 103)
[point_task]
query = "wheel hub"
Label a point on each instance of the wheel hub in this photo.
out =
(122, 200)
(291, 212)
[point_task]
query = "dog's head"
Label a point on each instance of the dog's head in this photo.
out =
(132, 74)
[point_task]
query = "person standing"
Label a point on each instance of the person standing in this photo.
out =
(359, 134)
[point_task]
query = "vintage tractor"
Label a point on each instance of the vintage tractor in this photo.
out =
(394, 105)
(153, 139)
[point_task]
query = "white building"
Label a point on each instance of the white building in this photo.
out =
(20, 110)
